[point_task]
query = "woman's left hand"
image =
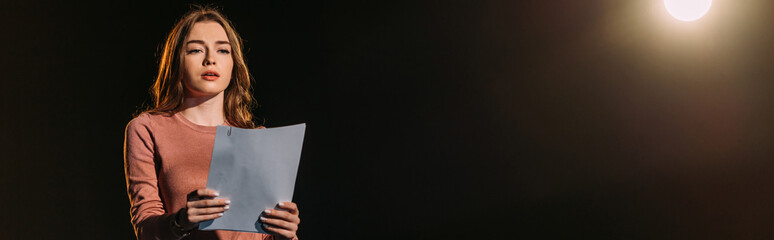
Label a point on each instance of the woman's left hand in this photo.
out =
(283, 223)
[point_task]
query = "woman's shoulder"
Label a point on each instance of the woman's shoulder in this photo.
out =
(146, 120)
(141, 121)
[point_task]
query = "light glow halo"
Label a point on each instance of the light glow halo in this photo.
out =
(687, 10)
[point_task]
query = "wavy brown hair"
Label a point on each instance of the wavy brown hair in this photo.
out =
(167, 92)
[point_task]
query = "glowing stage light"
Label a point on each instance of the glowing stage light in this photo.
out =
(687, 10)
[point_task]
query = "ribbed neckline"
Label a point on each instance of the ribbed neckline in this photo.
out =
(196, 127)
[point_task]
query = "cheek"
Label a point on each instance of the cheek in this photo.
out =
(228, 67)
(190, 67)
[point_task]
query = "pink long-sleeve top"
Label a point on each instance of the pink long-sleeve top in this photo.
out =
(165, 158)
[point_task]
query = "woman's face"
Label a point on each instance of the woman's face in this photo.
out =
(207, 61)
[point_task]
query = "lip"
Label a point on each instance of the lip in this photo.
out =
(210, 78)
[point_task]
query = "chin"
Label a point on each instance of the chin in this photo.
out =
(203, 92)
(206, 89)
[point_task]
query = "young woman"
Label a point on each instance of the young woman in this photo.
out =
(202, 82)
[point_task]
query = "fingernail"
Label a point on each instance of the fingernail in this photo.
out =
(268, 211)
(265, 226)
(281, 204)
(220, 214)
(262, 218)
(216, 194)
(228, 201)
(226, 207)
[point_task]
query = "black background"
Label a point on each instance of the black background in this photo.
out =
(426, 119)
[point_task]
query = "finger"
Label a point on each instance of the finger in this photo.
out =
(202, 218)
(270, 213)
(202, 193)
(280, 223)
(208, 203)
(290, 206)
(282, 232)
(207, 193)
(206, 211)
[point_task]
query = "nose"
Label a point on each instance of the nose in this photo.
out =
(209, 59)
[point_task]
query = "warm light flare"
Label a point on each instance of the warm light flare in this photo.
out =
(687, 10)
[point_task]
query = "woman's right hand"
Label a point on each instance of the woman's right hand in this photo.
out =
(201, 206)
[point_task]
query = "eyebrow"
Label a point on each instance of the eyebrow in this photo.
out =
(202, 42)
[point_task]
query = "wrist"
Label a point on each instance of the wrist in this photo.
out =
(178, 225)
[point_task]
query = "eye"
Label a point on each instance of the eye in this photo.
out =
(224, 51)
(192, 51)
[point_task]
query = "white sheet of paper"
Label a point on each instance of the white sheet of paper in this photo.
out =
(255, 169)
